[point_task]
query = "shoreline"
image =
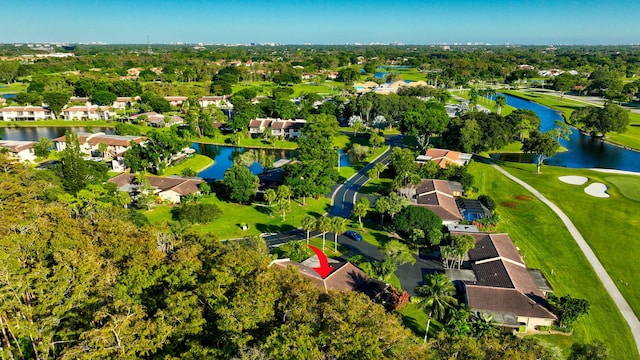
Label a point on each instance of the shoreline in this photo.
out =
(603, 139)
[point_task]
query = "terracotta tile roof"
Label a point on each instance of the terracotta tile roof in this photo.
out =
(444, 157)
(24, 108)
(115, 140)
(505, 300)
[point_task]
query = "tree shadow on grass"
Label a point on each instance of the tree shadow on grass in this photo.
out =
(272, 228)
(264, 209)
(412, 324)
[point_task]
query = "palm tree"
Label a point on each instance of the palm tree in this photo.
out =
(361, 209)
(437, 297)
(339, 225)
(500, 102)
(323, 225)
(308, 224)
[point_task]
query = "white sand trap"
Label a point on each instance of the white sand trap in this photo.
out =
(597, 190)
(574, 180)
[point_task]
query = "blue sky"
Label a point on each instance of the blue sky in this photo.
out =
(322, 22)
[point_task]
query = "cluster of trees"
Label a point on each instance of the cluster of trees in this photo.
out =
(157, 153)
(599, 121)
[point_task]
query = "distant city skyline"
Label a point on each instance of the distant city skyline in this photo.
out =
(543, 22)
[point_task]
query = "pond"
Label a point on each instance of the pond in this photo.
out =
(223, 157)
(35, 133)
(583, 151)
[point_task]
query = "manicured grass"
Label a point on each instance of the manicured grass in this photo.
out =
(196, 163)
(258, 217)
(247, 142)
(57, 122)
(629, 186)
(487, 103)
(545, 244)
(13, 88)
(416, 320)
(608, 225)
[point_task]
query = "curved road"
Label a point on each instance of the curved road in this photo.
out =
(344, 196)
(606, 280)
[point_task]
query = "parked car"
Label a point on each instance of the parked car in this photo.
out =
(353, 235)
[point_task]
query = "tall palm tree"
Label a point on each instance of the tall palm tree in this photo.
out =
(437, 297)
(501, 101)
(339, 225)
(323, 225)
(308, 224)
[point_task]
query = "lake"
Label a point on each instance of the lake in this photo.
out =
(583, 151)
(223, 157)
(35, 133)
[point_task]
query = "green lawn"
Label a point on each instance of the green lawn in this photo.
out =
(545, 244)
(13, 88)
(487, 103)
(196, 162)
(258, 217)
(606, 224)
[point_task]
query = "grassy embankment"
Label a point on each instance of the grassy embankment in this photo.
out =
(545, 243)
(13, 88)
(486, 102)
(196, 163)
(630, 138)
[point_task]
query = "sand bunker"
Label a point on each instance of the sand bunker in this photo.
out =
(574, 180)
(597, 190)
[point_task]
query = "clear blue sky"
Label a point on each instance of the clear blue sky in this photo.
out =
(322, 21)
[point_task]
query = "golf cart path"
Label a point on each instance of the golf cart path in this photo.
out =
(608, 283)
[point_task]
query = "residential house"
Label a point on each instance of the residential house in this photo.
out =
(176, 100)
(117, 145)
(158, 120)
(22, 150)
(92, 112)
(2, 101)
(287, 129)
(20, 113)
(124, 102)
(437, 196)
(218, 101)
(344, 276)
(445, 158)
(171, 188)
(503, 286)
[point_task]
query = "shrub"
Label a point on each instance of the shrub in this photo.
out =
(487, 201)
(197, 213)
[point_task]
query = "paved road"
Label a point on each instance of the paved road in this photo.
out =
(345, 195)
(608, 283)
(587, 99)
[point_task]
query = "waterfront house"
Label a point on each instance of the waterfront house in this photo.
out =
(287, 129)
(92, 112)
(21, 113)
(117, 145)
(167, 188)
(21, 150)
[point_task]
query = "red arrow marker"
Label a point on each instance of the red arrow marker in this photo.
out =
(324, 270)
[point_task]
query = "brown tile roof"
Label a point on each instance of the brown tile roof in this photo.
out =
(115, 140)
(24, 108)
(489, 246)
(344, 277)
(505, 300)
(182, 186)
(437, 196)
(16, 146)
(255, 124)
